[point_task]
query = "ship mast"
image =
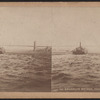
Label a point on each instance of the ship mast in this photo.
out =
(80, 44)
(34, 45)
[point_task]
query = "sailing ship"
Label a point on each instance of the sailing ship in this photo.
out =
(79, 50)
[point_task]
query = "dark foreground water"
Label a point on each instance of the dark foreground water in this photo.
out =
(76, 72)
(23, 73)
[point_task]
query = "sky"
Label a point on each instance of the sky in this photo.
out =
(55, 26)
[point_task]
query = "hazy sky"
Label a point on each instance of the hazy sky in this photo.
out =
(56, 26)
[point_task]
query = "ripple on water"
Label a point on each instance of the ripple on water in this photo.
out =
(76, 71)
(24, 73)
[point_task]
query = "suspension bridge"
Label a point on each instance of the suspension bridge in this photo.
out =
(34, 46)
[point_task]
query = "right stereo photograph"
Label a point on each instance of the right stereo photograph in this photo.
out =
(76, 49)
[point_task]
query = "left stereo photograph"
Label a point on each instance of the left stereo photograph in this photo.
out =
(25, 50)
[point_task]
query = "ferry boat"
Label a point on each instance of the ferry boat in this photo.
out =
(79, 50)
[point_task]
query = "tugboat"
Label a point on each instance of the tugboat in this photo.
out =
(79, 50)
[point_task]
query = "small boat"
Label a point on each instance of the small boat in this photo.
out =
(79, 50)
(2, 50)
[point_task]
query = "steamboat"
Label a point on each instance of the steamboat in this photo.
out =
(79, 50)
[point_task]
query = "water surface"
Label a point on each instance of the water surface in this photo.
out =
(74, 72)
(24, 73)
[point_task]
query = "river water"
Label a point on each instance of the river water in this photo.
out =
(76, 72)
(24, 73)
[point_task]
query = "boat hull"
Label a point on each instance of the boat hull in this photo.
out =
(79, 53)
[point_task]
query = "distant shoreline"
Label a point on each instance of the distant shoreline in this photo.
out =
(65, 53)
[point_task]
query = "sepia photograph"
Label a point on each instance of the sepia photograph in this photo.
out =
(25, 50)
(76, 49)
(50, 50)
